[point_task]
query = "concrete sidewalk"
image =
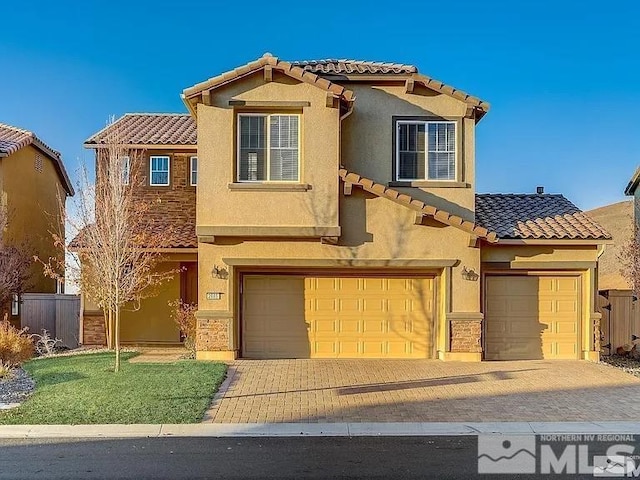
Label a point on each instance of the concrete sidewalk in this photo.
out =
(316, 429)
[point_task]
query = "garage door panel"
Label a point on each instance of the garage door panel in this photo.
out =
(534, 316)
(342, 317)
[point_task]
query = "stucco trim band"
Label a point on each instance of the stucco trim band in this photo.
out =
(265, 186)
(557, 265)
(465, 316)
(225, 314)
(265, 231)
(340, 262)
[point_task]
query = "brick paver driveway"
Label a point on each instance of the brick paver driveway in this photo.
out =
(423, 391)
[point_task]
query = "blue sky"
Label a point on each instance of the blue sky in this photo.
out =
(562, 77)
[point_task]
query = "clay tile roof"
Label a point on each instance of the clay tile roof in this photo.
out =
(267, 59)
(181, 234)
(13, 139)
(535, 216)
(440, 215)
(151, 129)
(351, 67)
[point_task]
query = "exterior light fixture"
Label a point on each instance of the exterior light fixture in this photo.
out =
(219, 272)
(469, 274)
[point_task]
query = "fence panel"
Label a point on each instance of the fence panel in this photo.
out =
(39, 312)
(620, 318)
(57, 314)
(68, 319)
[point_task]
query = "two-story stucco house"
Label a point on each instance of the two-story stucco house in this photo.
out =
(336, 216)
(32, 182)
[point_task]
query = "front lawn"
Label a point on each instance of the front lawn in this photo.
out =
(83, 389)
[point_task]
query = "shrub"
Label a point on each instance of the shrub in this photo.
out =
(15, 345)
(184, 315)
(45, 345)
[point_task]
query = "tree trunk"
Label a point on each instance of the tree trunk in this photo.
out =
(109, 328)
(117, 342)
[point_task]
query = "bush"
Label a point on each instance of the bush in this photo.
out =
(15, 346)
(184, 315)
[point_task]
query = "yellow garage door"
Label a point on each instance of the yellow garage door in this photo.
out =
(532, 317)
(337, 317)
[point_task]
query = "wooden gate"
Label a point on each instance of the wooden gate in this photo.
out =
(58, 314)
(620, 319)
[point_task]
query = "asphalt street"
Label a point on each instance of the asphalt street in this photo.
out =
(265, 457)
(281, 458)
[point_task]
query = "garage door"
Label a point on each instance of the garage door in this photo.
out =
(531, 317)
(336, 317)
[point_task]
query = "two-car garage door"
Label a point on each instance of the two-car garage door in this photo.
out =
(532, 317)
(288, 316)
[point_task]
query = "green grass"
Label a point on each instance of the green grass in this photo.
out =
(83, 389)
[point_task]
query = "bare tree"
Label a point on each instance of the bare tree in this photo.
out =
(15, 265)
(117, 245)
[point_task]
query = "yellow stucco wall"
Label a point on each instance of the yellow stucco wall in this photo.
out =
(31, 198)
(217, 160)
(152, 321)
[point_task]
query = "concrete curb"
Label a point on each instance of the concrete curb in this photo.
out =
(316, 429)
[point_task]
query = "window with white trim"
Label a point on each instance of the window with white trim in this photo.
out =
(425, 150)
(193, 171)
(268, 147)
(15, 305)
(125, 164)
(159, 170)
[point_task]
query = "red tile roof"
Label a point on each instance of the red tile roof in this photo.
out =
(13, 139)
(438, 214)
(351, 67)
(150, 129)
(535, 216)
(179, 234)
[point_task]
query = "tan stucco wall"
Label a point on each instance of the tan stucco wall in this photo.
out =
(31, 198)
(540, 253)
(152, 322)
(368, 149)
(220, 206)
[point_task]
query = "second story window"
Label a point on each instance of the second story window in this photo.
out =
(426, 150)
(125, 165)
(268, 148)
(159, 166)
(193, 171)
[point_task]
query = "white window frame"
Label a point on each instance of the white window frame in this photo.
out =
(191, 172)
(15, 305)
(268, 147)
(426, 150)
(151, 171)
(126, 161)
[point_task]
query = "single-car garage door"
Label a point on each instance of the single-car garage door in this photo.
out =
(532, 317)
(286, 316)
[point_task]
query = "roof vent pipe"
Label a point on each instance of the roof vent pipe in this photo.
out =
(539, 190)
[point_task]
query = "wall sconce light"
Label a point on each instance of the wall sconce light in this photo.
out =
(469, 274)
(219, 272)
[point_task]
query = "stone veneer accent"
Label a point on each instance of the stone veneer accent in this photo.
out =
(213, 334)
(93, 330)
(466, 336)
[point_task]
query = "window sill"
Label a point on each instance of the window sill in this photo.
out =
(267, 186)
(429, 184)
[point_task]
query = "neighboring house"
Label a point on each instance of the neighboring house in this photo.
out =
(163, 152)
(32, 181)
(337, 217)
(617, 219)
